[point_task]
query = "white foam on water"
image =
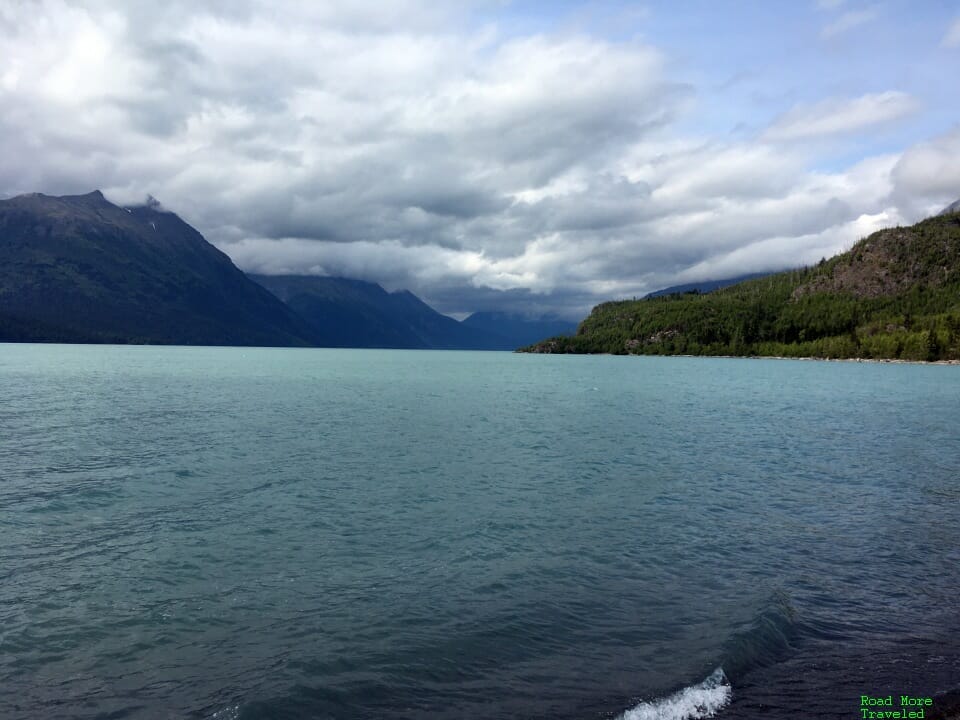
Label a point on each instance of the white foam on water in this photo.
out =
(697, 701)
(228, 713)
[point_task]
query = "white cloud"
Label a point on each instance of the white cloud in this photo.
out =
(394, 143)
(952, 38)
(848, 21)
(775, 253)
(927, 176)
(840, 115)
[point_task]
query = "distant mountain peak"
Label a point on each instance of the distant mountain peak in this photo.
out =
(953, 207)
(519, 329)
(78, 268)
(92, 197)
(705, 286)
(346, 312)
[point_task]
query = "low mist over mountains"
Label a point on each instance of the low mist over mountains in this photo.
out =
(81, 269)
(353, 313)
(518, 330)
(953, 207)
(704, 286)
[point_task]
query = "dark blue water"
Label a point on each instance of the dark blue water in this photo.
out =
(265, 533)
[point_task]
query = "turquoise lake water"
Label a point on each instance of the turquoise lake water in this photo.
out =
(274, 533)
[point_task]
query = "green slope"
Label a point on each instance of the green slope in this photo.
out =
(895, 294)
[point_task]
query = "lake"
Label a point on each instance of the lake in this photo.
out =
(241, 533)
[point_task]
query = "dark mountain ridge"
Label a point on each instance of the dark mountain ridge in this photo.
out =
(353, 313)
(705, 286)
(518, 330)
(78, 268)
(951, 208)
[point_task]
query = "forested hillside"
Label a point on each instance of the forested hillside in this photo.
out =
(895, 294)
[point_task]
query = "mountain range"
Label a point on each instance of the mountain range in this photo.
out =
(79, 268)
(518, 330)
(704, 286)
(953, 207)
(893, 295)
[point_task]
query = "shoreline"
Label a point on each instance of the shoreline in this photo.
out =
(887, 361)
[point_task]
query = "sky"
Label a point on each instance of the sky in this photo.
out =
(531, 156)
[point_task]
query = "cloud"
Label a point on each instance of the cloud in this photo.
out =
(406, 144)
(776, 253)
(834, 116)
(952, 38)
(829, 4)
(927, 175)
(848, 21)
